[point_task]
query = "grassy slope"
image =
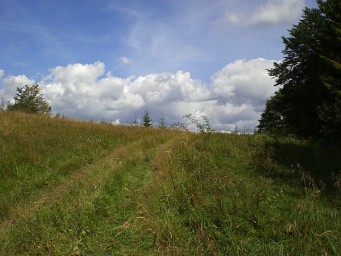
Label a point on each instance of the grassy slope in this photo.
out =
(78, 188)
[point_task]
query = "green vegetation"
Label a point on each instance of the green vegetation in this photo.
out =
(30, 100)
(80, 188)
(308, 103)
(203, 126)
(147, 120)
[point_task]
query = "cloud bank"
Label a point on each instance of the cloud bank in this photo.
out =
(236, 95)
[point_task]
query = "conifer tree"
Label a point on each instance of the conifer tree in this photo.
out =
(29, 99)
(308, 104)
(162, 123)
(147, 121)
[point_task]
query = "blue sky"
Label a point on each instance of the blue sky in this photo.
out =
(198, 47)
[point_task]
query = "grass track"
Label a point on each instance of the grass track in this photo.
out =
(80, 200)
(55, 219)
(77, 188)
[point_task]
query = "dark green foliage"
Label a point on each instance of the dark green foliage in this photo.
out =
(272, 119)
(330, 109)
(30, 100)
(308, 102)
(147, 120)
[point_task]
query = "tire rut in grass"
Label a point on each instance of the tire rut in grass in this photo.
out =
(85, 189)
(88, 177)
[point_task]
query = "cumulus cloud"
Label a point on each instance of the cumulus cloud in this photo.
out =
(165, 87)
(2, 73)
(10, 85)
(83, 90)
(244, 82)
(241, 89)
(236, 95)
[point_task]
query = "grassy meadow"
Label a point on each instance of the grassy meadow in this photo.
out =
(71, 187)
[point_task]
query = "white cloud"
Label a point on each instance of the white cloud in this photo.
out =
(272, 12)
(80, 73)
(80, 90)
(123, 61)
(277, 11)
(233, 18)
(2, 73)
(10, 85)
(165, 87)
(244, 81)
(236, 95)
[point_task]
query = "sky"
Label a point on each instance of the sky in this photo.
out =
(112, 60)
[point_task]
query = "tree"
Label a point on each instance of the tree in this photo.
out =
(162, 123)
(2, 104)
(147, 121)
(135, 122)
(330, 109)
(203, 126)
(272, 119)
(29, 99)
(308, 104)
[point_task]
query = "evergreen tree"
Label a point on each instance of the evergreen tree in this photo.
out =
(272, 119)
(308, 102)
(162, 123)
(147, 121)
(330, 109)
(29, 99)
(135, 122)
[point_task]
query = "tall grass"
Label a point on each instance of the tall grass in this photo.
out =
(212, 199)
(79, 188)
(37, 151)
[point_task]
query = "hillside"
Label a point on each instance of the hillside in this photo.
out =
(79, 188)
